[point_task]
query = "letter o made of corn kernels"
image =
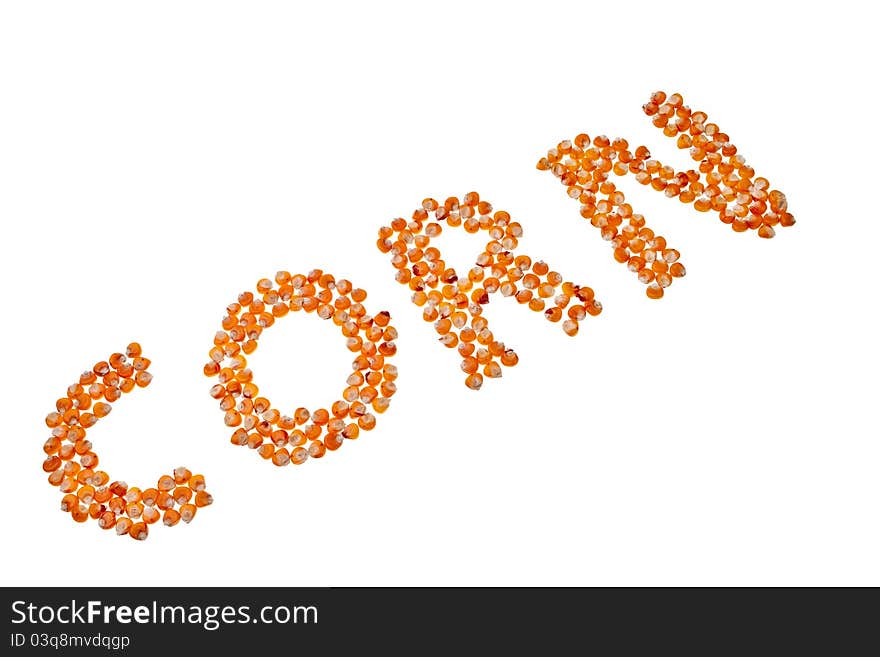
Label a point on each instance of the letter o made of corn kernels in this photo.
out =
(73, 466)
(292, 438)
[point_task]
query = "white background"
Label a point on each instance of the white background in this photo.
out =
(157, 159)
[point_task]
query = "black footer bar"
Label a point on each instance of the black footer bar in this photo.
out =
(437, 620)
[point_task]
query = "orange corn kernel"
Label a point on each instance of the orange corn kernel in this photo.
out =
(107, 520)
(182, 495)
(203, 499)
(139, 531)
(149, 496)
(187, 512)
(170, 518)
(197, 482)
(164, 500)
(281, 457)
(123, 525)
(69, 502)
(150, 515)
(181, 475)
(79, 513)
